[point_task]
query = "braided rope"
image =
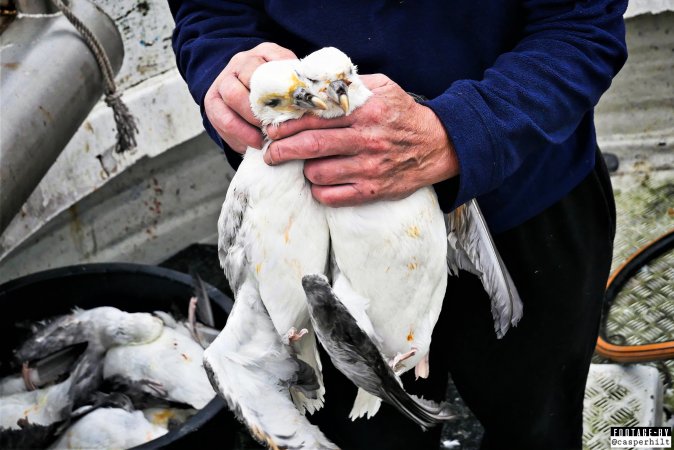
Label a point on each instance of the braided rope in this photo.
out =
(124, 120)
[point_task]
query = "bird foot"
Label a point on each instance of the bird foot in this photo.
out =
(192, 318)
(293, 335)
(395, 362)
(156, 387)
(26, 375)
(422, 369)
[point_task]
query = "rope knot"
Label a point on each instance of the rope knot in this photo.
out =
(124, 120)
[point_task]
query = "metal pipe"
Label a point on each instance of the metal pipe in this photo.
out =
(35, 6)
(49, 82)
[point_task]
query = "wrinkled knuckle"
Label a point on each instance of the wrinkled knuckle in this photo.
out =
(209, 102)
(227, 122)
(236, 60)
(318, 176)
(378, 110)
(309, 172)
(227, 95)
(380, 77)
(316, 143)
(273, 132)
(375, 143)
(266, 47)
(371, 169)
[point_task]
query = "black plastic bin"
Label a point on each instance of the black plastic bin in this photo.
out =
(129, 287)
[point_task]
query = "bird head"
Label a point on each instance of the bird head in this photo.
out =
(334, 78)
(123, 328)
(278, 93)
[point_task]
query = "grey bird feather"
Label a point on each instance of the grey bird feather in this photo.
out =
(354, 354)
(471, 248)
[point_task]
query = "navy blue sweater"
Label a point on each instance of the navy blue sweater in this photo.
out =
(514, 82)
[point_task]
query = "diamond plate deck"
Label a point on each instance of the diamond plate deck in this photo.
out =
(623, 396)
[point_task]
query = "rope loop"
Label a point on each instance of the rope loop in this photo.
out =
(125, 122)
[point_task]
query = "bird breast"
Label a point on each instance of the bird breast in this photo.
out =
(394, 254)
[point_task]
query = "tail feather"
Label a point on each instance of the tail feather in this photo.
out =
(249, 366)
(472, 248)
(424, 413)
(365, 404)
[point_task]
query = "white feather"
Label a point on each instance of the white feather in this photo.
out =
(39, 407)
(471, 248)
(173, 361)
(252, 369)
(106, 428)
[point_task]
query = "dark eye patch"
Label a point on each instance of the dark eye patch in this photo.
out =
(273, 102)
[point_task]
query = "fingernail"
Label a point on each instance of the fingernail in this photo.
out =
(267, 157)
(272, 132)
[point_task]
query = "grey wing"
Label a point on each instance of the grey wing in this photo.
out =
(356, 355)
(232, 237)
(58, 334)
(471, 248)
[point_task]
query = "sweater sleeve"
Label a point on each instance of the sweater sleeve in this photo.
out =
(207, 34)
(534, 95)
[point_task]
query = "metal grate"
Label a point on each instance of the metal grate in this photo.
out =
(645, 210)
(619, 396)
(643, 311)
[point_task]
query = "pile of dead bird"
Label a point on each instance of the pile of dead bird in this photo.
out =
(105, 378)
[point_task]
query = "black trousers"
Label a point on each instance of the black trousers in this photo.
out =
(527, 388)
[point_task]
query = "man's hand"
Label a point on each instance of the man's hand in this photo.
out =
(226, 103)
(387, 149)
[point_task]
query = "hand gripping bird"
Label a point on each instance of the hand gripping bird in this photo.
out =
(271, 233)
(389, 269)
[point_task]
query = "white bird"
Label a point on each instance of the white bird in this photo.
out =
(390, 266)
(271, 233)
(38, 407)
(32, 419)
(106, 428)
(170, 368)
(390, 257)
(101, 329)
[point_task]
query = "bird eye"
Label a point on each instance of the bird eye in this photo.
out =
(312, 80)
(273, 102)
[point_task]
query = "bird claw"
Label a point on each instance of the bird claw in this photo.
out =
(156, 387)
(395, 362)
(293, 335)
(422, 369)
(26, 375)
(192, 318)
